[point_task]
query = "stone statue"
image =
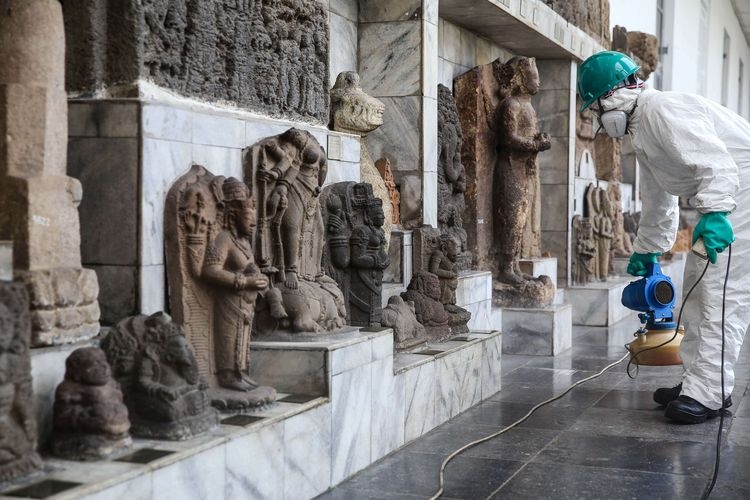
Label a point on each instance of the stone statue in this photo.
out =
(600, 212)
(18, 431)
(642, 47)
(621, 244)
(356, 256)
(384, 168)
(519, 142)
(424, 292)
(89, 418)
(584, 258)
(451, 175)
(630, 223)
(443, 264)
(400, 315)
(353, 111)
(164, 391)
(286, 173)
(214, 281)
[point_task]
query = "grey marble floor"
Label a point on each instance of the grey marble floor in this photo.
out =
(605, 439)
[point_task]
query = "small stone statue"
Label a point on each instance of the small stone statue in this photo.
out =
(89, 418)
(18, 430)
(584, 263)
(600, 211)
(399, 315)
(214, 281)
(384, 169)
(356, 256)
(443, 265)
(630, 222)
(424, 292)
(516, 169)
(158, 373)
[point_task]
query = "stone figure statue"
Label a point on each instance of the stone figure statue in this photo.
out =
(214, 281)
(621, 244)
(600, 212)
(519, 141)
(18, 430)
(89, 418)
(165, 394)
(353, 111)
(584, 258)
(443, 264)
(424, 292)
(384, 169)
(400, 315)
(356, 256)
(286, 173)
(451, 175)
(630, 223)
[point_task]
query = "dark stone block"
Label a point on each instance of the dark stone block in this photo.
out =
(144, 456)
(42, 489)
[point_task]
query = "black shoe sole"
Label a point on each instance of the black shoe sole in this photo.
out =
(690, 418)
(665, 401)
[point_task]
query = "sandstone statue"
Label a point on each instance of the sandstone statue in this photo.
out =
(600, 212)
(519, 141)
(424, 292)
(214, 281)
(400, 315)
(642, 47)
(38, 201)
(384, 169)
(356, 256)
(353, 111)
(165, 394)
(89, 418)
(286, 174)
(584, 256)
(18, 430)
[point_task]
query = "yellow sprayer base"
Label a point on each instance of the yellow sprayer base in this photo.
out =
(668, 354)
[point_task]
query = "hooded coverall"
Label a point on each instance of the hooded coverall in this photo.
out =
(691, 147)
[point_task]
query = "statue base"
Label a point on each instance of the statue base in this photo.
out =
(86, 448)
(24, 466)
(228, 400)
(177, 430)
(531, 293)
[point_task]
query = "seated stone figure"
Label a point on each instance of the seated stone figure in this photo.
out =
(159, 376)
(424, 292)
(400, 315)
(444, 265)
(90, 421)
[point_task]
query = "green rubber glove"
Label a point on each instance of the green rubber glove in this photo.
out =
(716, 231)
(638, 261)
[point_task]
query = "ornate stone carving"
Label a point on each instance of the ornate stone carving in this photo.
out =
(642, 47)
(286, 173)
(38, 202)
(384, 169)
(214, 281)
(600, 213)
(266, 55)
(353, 111)
(400, 315)
(90, 420)
(592, 16)
(451, 175)
(519, 142)
(356, 255)
(18, 431)
(424, 292)
(630, 223)
(584, 257)
(621, 244)
(164, 391)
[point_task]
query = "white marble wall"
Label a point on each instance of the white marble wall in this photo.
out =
(599, 303)
(540, 332)
(474, 293)
(342, 25)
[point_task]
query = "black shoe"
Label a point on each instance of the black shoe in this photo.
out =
(686, 410)
(666, 395)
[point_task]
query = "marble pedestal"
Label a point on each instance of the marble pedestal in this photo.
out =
(540, 266)
(540, 332)
(474, 293)
(599, 303)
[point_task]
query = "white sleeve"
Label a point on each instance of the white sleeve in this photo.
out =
(657, 229)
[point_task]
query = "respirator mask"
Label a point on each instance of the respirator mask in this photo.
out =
(615, 120)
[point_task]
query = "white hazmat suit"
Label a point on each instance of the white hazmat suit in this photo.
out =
(691, 147)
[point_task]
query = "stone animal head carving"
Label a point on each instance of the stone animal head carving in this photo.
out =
(518, 76)
(352, 110)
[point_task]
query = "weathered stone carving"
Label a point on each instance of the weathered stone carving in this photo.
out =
(600, 213)
(643, 47)
(630, 223)
(424, 292)
(400, 315)
(286, 173)
(621, 244)
(356, 255)
(384, 169)
(18, 431)
(38, 202)
(584, 258)
(164, 391)
(90, 420)
(451, 175)
(266, 55)
(592, 16)
(214, 281)
(353, 111)
(519, 142)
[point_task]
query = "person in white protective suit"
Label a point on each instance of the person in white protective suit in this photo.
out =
(691, 147)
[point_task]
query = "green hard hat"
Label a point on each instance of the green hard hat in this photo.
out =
(602, 72)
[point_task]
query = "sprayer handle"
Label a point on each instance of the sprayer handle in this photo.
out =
(699, 249)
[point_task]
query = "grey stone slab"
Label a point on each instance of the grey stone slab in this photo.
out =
(543, 332)
(739, 433)
(103, 118)
(554, 201)
(292, 371)
(553, 111)
(389, 10)
(554, 74)
(628, 400)
(390, 58)
(118, 292)
(398, 139)
(6, 260)
(343, 50)
(346, 8)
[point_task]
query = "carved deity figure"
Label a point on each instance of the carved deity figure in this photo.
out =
(286, 173)
(399, 315)
(214, 281)
(424, 292)
(90, 420)
(600, 211)
(519, 142)
(584, 262)
(18, 432)
(157, 371)
(356, 256)
(384, 169)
